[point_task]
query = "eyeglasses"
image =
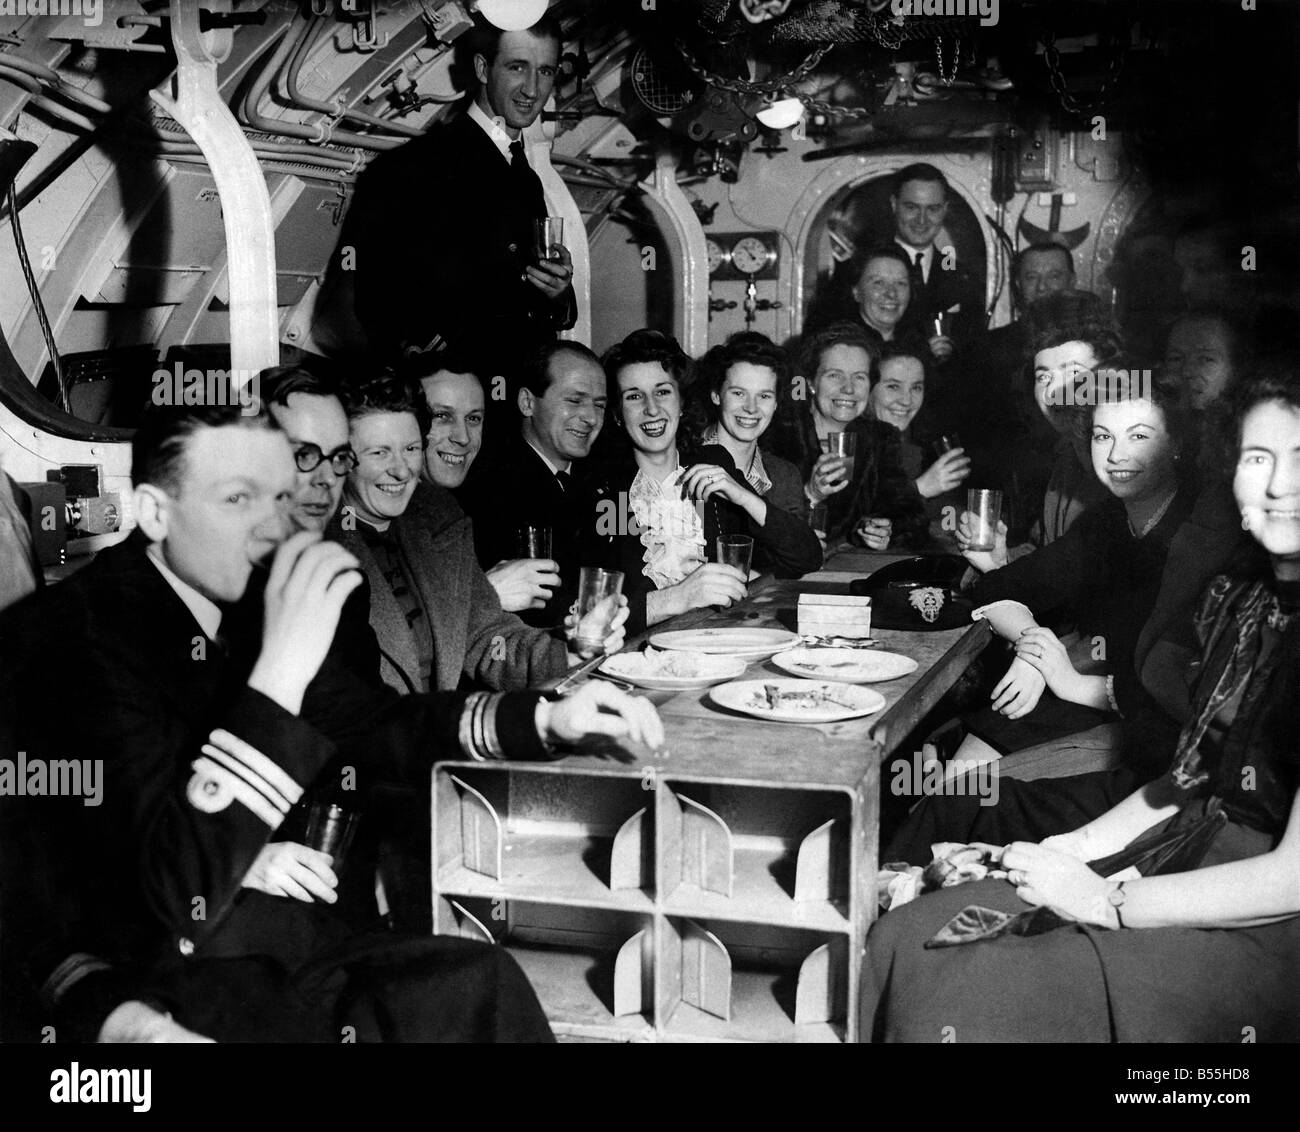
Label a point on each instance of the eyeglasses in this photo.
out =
(309, 457)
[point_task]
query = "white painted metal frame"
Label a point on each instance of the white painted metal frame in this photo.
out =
(245, 200)
(686, 247)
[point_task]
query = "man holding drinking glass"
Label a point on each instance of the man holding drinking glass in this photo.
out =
(443, 229)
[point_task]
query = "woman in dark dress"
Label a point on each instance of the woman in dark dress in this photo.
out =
(735, 392)
(666, 507)
(897, 396)
(869, 500)
(1099, 581)
(1174, 916)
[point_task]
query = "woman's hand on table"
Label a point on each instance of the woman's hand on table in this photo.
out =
(945, 474)
(1019, 690)
(829, 475)
(874, 533)
(712, 584)
(982, 560)
(615, 637)
(524, 583)
(1042, 649)
(1051, 879)
(598, 708)
(1074, 844)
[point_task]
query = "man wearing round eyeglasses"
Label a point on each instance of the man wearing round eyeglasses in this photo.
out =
(310, 414)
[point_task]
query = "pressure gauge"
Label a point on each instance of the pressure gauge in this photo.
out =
(717, 254)
(750, 255)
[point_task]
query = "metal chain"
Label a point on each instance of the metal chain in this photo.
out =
(956, 59)
(1069, 102)
(744, 86)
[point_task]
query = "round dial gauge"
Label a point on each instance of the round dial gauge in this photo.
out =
(750, 255)
(717, 257)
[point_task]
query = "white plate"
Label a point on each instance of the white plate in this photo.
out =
(749, 643)
(848, 666)
(646, 671)
(848, 700)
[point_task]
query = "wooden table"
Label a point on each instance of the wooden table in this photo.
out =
(718, 889)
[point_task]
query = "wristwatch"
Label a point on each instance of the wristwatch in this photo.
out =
(1116, 898)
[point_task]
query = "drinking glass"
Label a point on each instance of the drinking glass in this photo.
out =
(843, 445)
(598, 592)
(330, 829)
(985, 508)
(534, 541)
(737, 551)
(548, 238)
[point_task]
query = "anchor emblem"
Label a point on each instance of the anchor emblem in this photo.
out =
(1053, 235)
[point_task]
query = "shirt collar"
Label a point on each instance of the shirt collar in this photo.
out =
(927, 253)
(495, 133)
(207, 613)
(555, 468)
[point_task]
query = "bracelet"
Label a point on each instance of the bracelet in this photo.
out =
(1110, 695)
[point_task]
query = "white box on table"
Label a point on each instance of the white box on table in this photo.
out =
(834, 615)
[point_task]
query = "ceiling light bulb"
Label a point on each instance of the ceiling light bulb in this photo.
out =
(781, 115)
(512, 15)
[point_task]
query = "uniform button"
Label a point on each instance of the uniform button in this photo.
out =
(185, 947)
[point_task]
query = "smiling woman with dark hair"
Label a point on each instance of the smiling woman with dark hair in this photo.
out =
(1175, 915)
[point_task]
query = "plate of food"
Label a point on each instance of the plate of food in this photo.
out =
(752, 644)
(667, 670)
(848, 666)
(798, 701)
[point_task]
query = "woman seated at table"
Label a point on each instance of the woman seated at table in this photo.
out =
(1181, 905)
(1099, 580)
(436, 617)
(869, 498)
(736, 389)
(1049, 472)
(679, 504)
(897, 395)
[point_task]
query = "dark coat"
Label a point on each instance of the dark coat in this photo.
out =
(473, 636)
(514, 488)
(442, 232)
(880, 488)
(151, 879)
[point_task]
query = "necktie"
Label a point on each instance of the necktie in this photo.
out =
(529, 183)
(919, 264)
(565, 480)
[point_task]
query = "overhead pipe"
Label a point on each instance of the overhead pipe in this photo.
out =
(306, 41)
(322, 132)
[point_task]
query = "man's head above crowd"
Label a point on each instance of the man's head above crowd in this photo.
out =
(515, 71)
(1041, 269)
(919, 202)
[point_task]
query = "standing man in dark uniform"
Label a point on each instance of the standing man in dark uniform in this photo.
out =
(919, 204)
(443, 226)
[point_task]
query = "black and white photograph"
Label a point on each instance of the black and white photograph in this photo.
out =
(622, 522)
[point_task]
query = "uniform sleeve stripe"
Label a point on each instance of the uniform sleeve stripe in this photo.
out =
(236, 767)
(238, 789)
(268, 769)
(68, 973)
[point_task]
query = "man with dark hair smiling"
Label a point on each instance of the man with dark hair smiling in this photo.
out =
(538, 480)
(216, 705)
